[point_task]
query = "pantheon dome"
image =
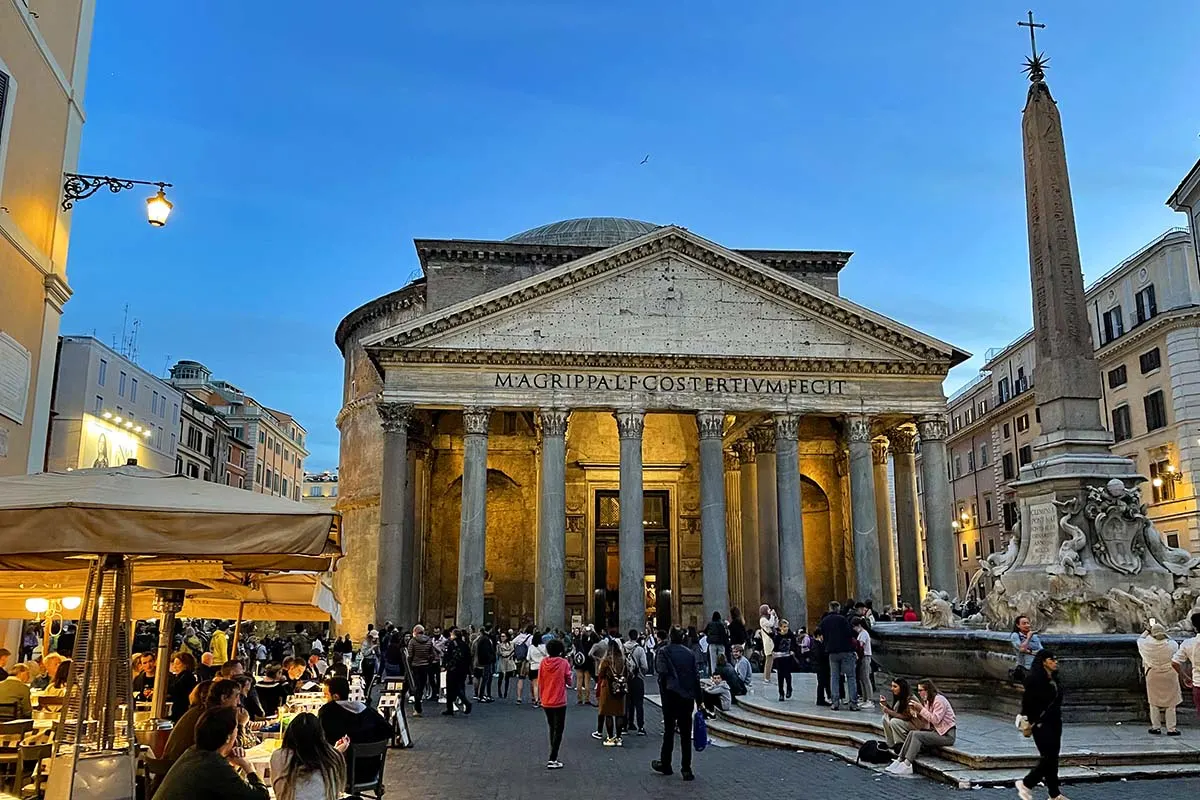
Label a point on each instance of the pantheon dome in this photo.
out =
(585, 231)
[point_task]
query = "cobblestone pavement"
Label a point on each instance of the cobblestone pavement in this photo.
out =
(499, 752)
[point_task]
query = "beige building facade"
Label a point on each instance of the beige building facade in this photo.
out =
(320, 488)
(1145, 319)
(266, 446)
(43, 70)
(503, 411)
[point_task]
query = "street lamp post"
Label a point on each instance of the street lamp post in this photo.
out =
(79, 187)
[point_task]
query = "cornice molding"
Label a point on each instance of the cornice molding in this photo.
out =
(403, 298)
(1174, 319)
(57, 291)
(675, 242)
(835, 367)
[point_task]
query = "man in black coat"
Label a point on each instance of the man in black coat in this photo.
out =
(679, 686)
(843, 663)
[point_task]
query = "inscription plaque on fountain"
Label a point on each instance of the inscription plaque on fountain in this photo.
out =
(1043, 530)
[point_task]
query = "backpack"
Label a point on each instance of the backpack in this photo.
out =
(631, 663)
(618, 684)
(699, 732)
(521, 651)
(874, 751)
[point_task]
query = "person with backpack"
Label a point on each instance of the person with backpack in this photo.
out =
(457, 663)
(718, 641)
(484, 652)
(521, 645)
(538, 651)
(636, 667)
(612, 681)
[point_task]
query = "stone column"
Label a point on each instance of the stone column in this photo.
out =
(419, 479)
(715, 567)
(733, 526)
(939, 511)
(908, 537)
(472, 532)
(793, 581)
(883, 522)
(748, 478)
(631, 540)
(768, 516)
(394, 562)
(862, 507)
(551, 588)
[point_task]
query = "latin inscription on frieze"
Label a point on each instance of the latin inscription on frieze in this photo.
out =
(668, 384)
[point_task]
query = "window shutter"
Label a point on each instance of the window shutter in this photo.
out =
(3, 98)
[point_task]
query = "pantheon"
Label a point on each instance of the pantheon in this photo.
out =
(605, 420)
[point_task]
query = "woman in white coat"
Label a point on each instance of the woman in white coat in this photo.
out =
(768, 622)
(1162, 683)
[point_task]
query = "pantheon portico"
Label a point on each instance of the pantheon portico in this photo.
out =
(504, 413)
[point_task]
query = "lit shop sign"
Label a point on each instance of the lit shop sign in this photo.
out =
(110, 440)
(668, 384)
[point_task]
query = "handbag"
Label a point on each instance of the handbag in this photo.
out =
(699, 731)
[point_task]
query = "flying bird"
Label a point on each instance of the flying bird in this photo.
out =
(644, 160)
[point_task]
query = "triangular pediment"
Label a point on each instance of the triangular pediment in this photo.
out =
(668, 293)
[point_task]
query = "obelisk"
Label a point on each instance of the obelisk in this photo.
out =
(1071, 454)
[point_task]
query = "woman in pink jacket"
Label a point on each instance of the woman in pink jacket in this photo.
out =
(934, 709)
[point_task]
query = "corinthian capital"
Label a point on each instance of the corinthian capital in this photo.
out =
(630, 423)
(394, 417)
(763, 439)
(732, 462)
(932, 428)
(858, 429)
(745, 450)
(902, 440)
(476, 420)
(879, 451)
(711, 424)
(554, 421)
(787, 426)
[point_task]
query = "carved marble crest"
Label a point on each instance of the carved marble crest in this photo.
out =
(1118, 522)
(1069, 561)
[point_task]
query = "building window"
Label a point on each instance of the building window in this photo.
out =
(267, 482)
(314, 491)
(121, 384)
(1173, 540)
(242, 458)
(262, 437)
(971, 460)
(103, 376)
(133, 390)
(1022, 383)
(7, 90)
(258, 473)
(1024, 455)
(285, 486)
(1162, 481)
(1116, 377)
(964, 551)
(983, 455)
(1114, 324)
(1007, 431)
(987, 509)
(178, 465)
(159, 438)
(1147, 308)
(958, 466)
(975, 515)
(333, 491)
(278, 448)
(270, 444)
(991, 546)
(1002, 391)
(98, 406)
(1022, 423)
(1009, 471)
(1156, 411)
(241, 484)
(1121, 424)
(193, 471)
(207, 475)
(978, 549)
(275, 483)
(238, 432)
(1150, 360)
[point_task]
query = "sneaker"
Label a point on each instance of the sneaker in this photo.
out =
(835, 707)
(416, 713)
(554, 765)
(1023, 791)
(448, 713)
(578, 702)
(518, 702)
(660, 768)
(903, 769)
(1154, 731)
(642, 732)
(1173, 733)
(619, 741)
(597, 735)
(610, 742)
(687, 774)
(893, 767)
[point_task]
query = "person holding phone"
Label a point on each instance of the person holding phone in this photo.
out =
(898, 718)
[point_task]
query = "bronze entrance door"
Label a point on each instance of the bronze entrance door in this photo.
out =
(607, 566)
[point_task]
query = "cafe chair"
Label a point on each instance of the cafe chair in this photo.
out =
(9, 711)
(35, 758)
(364, 768)
(153, 771)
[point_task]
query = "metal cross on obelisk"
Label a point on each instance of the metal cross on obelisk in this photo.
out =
(1035, 65)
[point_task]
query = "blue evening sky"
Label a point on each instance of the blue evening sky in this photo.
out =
(310, 142)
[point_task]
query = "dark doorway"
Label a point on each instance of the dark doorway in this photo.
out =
(606, 588)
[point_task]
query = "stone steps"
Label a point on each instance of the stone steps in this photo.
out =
(764, 723)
